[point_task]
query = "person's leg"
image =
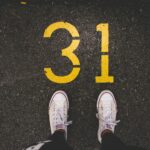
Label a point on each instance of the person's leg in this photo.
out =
(110, 141)
(58, 142)
(107, 111)
(58, 113)
(55, 142)
(135, 148)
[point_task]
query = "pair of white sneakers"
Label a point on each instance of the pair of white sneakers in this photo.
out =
(106, 108)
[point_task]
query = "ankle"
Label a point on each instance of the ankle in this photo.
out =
(59, 136)
(60, 131)
(106, 131)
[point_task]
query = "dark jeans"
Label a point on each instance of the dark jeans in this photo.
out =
(55, 142)
(111, 142)
(58, 142)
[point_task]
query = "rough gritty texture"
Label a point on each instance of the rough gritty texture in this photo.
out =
(25, 91)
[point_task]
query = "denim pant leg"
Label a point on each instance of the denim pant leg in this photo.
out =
(111, 142)
(58, 142)
(55, 142)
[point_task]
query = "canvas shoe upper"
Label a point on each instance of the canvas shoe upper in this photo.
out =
(58, 112)
(107, 110)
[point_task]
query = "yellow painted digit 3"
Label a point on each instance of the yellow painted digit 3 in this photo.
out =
(67, 52)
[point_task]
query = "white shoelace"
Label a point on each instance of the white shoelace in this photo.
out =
(60, 120)
(108, 121)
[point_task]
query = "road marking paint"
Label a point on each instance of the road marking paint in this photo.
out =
(23, 3)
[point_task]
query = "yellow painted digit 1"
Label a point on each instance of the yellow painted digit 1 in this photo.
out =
(67, 52)
(104, 78)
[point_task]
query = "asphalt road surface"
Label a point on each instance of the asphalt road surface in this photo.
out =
(25, 91)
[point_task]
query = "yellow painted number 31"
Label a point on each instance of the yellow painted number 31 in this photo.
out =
(69, 53)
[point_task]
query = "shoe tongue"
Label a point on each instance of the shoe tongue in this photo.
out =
(108, 120)
(108, 126)
(107, 115)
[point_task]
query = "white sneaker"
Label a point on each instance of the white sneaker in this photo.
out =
(58, 112)
(107, 110)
